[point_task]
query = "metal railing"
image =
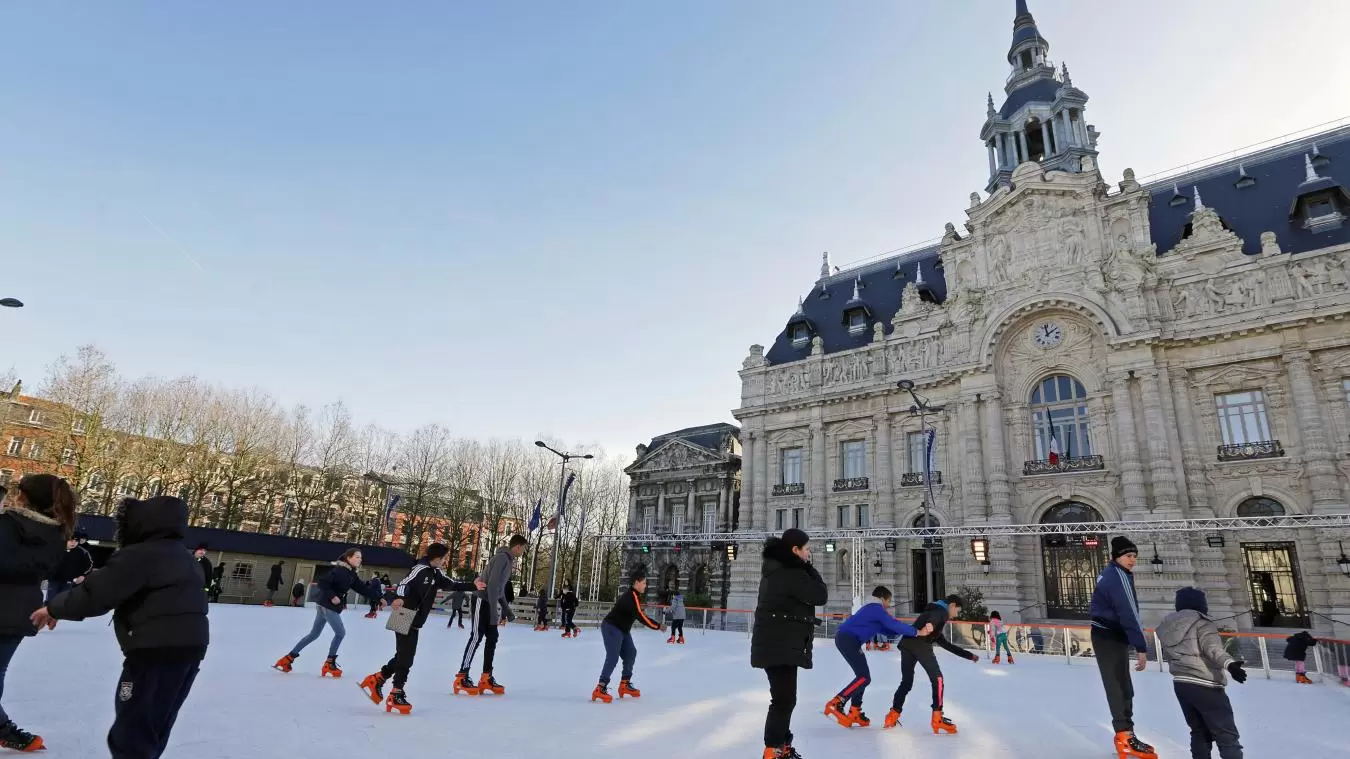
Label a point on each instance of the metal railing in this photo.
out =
(1263, 449)
(1064, 464)
(848, 484)
(790, 488)
(915, 479)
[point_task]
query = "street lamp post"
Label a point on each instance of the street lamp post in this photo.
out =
(557, 530)
(923, 409)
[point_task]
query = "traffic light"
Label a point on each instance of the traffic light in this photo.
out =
(646, 548)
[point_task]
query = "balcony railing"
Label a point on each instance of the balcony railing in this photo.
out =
(848, 484)
(915, 479)
(1064, 464)
(790, 488)
(1265, 449)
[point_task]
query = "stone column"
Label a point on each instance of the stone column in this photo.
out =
(1194, 464)
(1066, 129)
(634, 518)
(763, 482)
(1045, 137)
(975, 505)
(1001, 149)
(993, 168)
(723, 505)
(749, 445)
(1131, 469)
(691, 508)
(660, 509)
(819, 473)
(1000, 495)
(884, 479)
(1161, 472)
(1322, 479)
(1022, 147)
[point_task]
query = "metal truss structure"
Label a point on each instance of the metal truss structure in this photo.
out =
(605, 545)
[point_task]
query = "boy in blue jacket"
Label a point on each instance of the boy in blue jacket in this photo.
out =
(1116, 628)
(868, 622)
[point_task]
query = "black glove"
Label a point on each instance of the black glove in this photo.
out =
(1237, 672)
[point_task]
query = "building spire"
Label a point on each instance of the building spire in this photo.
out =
(918, 274)
(1308, 167)
(1064, 75)
(989, 106)
(801, 306)
(1199, 202)
(824, 264)
(857, 283)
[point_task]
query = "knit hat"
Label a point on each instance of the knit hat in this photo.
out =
(794, 538)
(1121, 545)
(1193, 599)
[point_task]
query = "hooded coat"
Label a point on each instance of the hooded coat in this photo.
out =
(31, 546)
(1298, 645)
(151, 583)
(1191, 644)
(785, 617)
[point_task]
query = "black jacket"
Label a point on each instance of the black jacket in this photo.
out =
(1298, 645)
(418, 590)
(937, 615)
(31, 546)
(76, 563)
(274, 578)
(337, 583)
(207, 572)
(785, 617)
(627, 610)
(151, 583)
(569, 601)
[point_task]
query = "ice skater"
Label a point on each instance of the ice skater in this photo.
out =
(416, 593)
(999, 631)
(617, 632)
(919, 650)
(677, 615)
(541, 612)
(1116, 628)
(73, 567)
(274, 581)
(332, 600)
(568, 603)
(483, 630)
(869, 622)
(1296, 650)
(38, 517)
(781, 642)
(456, 604)
(208, 571)
(1196, 657)
(153, 587)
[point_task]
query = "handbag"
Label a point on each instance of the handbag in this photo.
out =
(401, 621)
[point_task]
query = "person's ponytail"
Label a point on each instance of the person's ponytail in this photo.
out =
(52, 496)
(63, 506)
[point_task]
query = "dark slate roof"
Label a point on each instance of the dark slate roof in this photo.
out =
(881, 289)
(1039, 91)
(1261, 207)
(260, 544)
(708, 436)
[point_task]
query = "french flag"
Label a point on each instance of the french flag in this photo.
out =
(1054, 451)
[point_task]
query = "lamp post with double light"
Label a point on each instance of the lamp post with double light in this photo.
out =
(558, 517)
(923, 409)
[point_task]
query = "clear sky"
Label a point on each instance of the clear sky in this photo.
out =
(522, 218)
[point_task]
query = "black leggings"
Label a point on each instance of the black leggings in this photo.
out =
(921, 653)
(677, 628)
(567, 616)
(782, 700)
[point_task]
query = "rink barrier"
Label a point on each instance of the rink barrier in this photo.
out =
(1328, 661)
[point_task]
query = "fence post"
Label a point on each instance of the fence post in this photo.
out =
(1317, 663)
(1068, 653)
(1157, 646)
(1265, 656)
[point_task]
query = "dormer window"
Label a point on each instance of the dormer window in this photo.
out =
(1321, 212)
(856, 319)
(800, 334)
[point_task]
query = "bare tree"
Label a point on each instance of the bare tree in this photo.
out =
(84, 445)
(424, 464)
(463, 505)
(252, 424)
(376, 456)
(502, 470)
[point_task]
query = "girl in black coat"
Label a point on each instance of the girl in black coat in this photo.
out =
(330, 602)
(790, 589)
(38, 517)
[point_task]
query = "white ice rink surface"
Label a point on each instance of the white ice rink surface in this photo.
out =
(699, 700)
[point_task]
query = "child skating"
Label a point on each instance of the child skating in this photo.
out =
(919, 650)
(568, 603)
(1000, 633)
(1195, 655)
(869, 622)
(677, 615)
(332, 600)
(1296, 651)
(616, 630)
(416, 593)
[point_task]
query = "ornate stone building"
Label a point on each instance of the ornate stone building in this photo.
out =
(685, 483)
(1094, 353)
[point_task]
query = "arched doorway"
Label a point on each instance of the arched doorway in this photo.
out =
(701, 580)
(1072, 562)
(919, 567)
(1273, 577)
(670, 582)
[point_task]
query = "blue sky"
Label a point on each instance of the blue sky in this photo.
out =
(526, 218)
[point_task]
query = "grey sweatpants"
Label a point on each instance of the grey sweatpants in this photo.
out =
(1113, 661)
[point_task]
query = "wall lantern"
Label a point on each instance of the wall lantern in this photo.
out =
(1343, 562)
(1156, 561)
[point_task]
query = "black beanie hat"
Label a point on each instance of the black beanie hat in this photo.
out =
(1121, 545)
(794, 538)
(1193, 599)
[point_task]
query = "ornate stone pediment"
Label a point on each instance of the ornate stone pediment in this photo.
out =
(1235, 375)
(676, 454)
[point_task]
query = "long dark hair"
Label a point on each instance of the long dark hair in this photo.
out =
(52, 496)
(347, 555)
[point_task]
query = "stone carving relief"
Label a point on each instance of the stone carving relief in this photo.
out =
(790, 381)
(677, 455)
(916, 355)
(848, 369)
(1259, 287)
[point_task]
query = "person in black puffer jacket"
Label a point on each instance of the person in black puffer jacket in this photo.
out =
(330, 602)
(73, 567)
(153, 586)
(38, 516)
(790, 589)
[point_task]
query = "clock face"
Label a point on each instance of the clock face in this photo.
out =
(1047, 335)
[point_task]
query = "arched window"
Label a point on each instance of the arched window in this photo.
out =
(1071, 512)
(1059, 418)
(845, 573)
(701, 581)
(920, 524)
(1260, 507)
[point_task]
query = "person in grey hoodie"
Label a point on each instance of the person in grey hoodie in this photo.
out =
(677, 615)
(485, 618)
(1196, 656)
